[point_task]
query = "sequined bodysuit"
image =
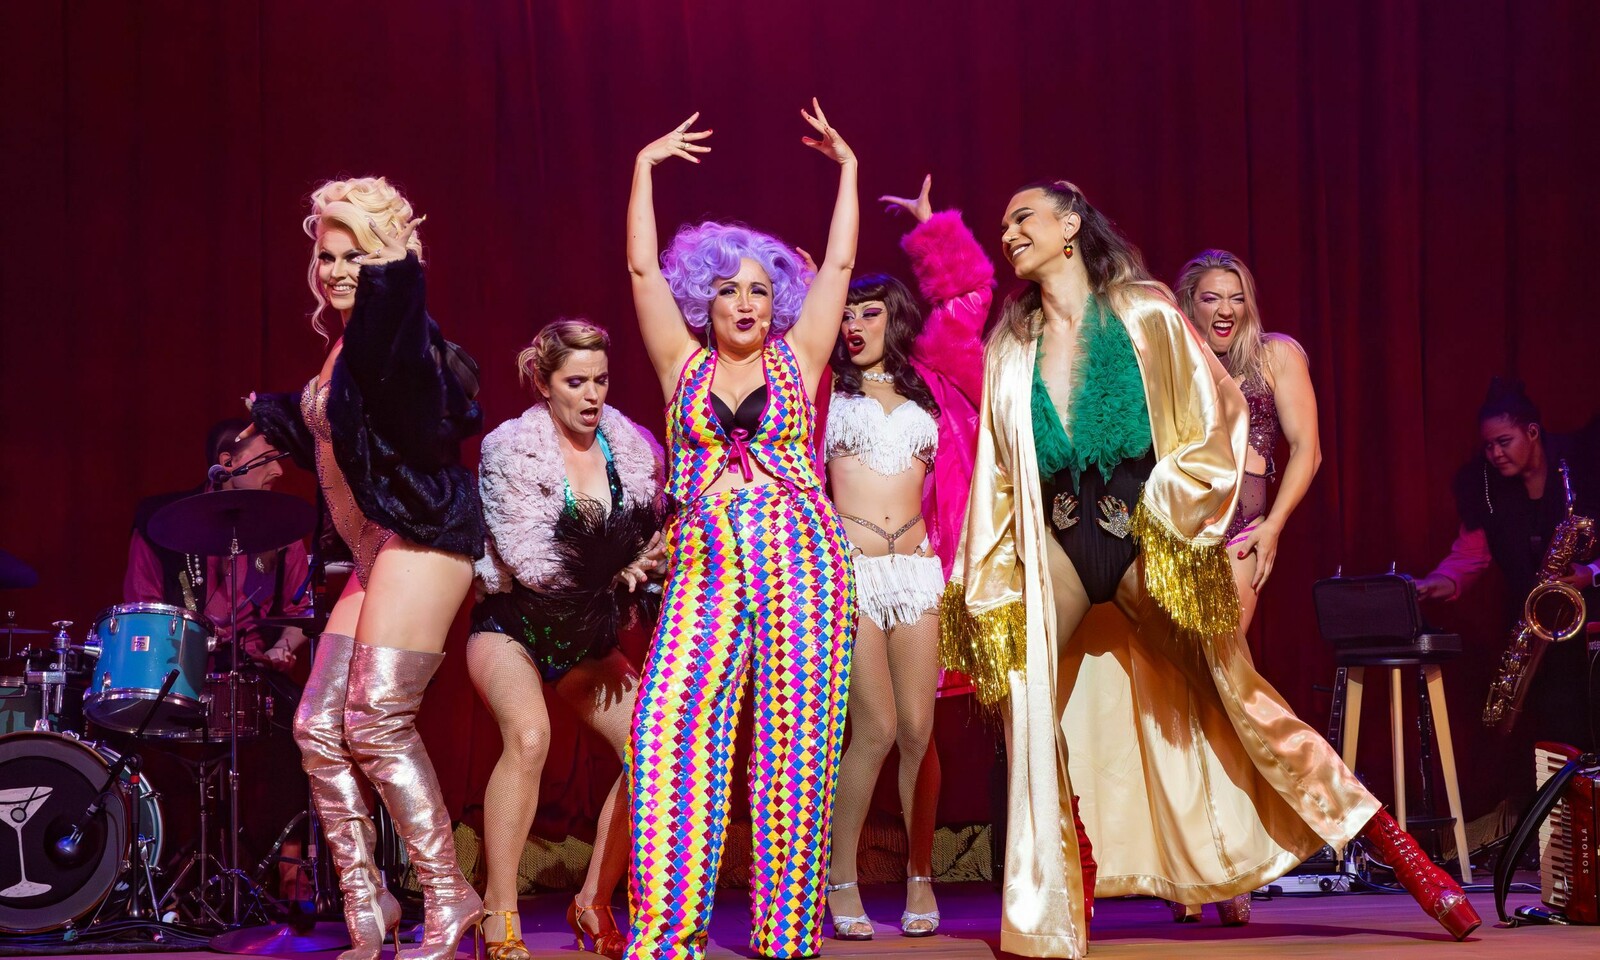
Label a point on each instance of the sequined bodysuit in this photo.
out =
(1265, 430)
(362, 536)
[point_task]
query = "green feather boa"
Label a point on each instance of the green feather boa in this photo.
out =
(1110, 422)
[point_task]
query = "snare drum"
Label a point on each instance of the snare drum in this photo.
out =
(140, 643)
(255, 708)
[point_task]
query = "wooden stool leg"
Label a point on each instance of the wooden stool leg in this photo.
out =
(1397, 734)
(1447, 762)
(1352, 713)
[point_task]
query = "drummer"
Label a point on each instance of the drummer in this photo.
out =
(270, 584)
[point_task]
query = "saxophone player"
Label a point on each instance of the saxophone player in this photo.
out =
(1510, 501)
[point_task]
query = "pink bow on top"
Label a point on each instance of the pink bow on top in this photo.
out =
(741, 452)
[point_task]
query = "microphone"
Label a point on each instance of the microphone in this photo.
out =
(218, 475)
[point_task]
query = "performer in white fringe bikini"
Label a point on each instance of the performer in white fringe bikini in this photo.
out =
(901, 426)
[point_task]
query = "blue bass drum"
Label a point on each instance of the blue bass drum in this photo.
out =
(140, 643)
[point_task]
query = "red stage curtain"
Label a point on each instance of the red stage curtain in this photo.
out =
(1412, 183)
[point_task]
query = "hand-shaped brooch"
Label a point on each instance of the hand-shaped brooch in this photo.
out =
(1117, 521)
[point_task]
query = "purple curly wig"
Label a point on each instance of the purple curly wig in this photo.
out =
(704, 253)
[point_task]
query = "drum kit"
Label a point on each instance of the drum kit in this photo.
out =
(86, 824)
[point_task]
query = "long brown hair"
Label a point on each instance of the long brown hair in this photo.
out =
(1113, 263)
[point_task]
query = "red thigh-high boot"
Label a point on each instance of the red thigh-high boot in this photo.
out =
(1086, 860)
(1439, 895)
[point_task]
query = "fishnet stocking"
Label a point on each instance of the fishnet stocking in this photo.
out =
(894, 680)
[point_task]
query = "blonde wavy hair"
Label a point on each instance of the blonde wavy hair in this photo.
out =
(1247, 355)
(372, 198)
(1116, 268)
(553, 344)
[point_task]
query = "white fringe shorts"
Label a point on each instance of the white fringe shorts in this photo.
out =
(899, 587)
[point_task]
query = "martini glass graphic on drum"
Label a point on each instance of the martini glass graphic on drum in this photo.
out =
(18, 806)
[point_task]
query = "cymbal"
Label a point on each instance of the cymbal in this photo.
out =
(14, 574)
(207, 523)
(281, 939)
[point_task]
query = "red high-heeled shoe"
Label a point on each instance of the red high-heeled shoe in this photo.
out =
(1439, 895)
(607, 941)
(1086, 861)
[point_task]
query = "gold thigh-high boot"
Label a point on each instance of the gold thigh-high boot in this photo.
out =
(380, 711)
(370, 912)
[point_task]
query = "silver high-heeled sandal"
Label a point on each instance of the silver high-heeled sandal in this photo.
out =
(907, 918)
(841, 924)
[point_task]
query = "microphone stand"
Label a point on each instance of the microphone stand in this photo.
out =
(69, 845)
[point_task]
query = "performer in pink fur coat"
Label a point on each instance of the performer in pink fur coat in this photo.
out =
(898, 444)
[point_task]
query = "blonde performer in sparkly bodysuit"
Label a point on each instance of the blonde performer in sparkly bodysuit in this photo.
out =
(382, 423)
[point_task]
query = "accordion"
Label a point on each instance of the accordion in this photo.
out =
(1568, 859)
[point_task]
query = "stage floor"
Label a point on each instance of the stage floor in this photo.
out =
(1336, 927)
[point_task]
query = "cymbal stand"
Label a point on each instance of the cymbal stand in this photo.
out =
(230, 874)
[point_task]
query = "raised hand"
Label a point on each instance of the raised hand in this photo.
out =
(831, 145)
(921, 207)
(681, 142)
(394, 244)
(810, 262)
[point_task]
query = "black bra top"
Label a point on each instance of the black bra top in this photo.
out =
(748, 418)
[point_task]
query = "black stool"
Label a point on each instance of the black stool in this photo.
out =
(1374, 621)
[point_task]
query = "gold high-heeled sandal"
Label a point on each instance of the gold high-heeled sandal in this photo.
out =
(512, 946)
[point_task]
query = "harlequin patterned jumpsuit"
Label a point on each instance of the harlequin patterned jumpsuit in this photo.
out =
(759, 591)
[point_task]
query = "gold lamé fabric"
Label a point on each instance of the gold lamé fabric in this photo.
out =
(1197, 781)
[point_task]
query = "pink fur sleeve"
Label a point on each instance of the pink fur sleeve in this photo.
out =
(958, 281)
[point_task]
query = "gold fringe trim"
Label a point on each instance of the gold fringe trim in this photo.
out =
(1193, 582)
(985, 646)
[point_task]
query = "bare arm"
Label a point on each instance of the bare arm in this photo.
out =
(666, 337)
(818, 326)
(1297, 411)
(1296, 401)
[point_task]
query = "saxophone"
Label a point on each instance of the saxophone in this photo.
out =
(1553, 612)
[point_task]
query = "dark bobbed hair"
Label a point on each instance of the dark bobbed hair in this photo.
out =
(900, 331)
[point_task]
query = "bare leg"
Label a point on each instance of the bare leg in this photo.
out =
(509, 685)
(914, 672)
(413, 595)
(602, 693)
(1072, 605)
(872, 723)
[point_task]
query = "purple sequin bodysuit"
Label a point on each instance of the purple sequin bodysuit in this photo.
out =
(1264, 433)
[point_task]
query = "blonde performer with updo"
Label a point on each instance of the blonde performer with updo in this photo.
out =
(572, 495)
(382, 424)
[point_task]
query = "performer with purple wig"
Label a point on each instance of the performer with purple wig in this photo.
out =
(759, 584)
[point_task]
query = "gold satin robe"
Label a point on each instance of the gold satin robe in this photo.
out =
(1196, 780)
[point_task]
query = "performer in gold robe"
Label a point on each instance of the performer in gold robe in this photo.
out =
(1108, 462)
